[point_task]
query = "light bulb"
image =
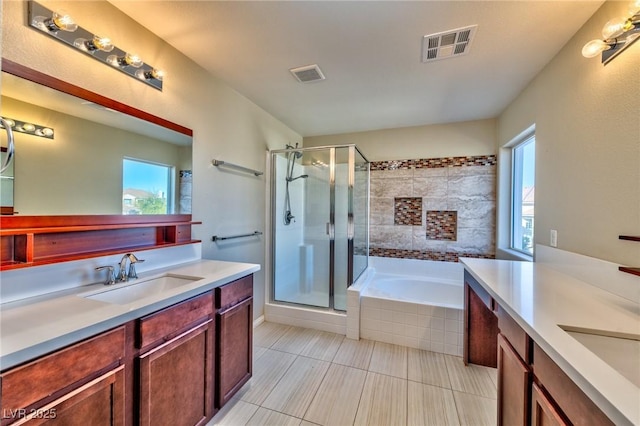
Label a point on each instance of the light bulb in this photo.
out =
(28, 127)
(97, 43)
(128, 59)
(44, 132)
(153, 74)
(133, 60)
(616, 27)
(593, 48)
(59, 21)
(64, 22)
(9, 122)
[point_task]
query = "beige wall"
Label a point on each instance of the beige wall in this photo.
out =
(587, 146)
(433, 141)
(226, 125)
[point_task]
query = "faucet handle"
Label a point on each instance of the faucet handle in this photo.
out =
(132, 267)
(111, 278)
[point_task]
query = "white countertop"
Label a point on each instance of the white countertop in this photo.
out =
(33, 327)
(540, 299)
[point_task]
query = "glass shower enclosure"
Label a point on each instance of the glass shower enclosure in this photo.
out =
(320, 224)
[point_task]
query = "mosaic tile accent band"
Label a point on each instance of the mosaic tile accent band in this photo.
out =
(434, 163)
(407, 211)
(426, 254)
(442, 225)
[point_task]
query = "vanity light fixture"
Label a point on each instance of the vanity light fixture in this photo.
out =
(62, 27)
(28, 128)
(617, 34)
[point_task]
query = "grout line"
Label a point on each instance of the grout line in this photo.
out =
(317, 389)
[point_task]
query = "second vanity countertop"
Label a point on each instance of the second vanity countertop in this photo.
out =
(33, 327)
(541, 299)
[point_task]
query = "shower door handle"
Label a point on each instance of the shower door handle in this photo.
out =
(331, 230)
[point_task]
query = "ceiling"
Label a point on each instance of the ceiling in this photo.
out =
(370, 54)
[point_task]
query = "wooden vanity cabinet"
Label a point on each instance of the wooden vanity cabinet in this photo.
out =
(480, 325)
(543, 411)
(175, 366)
(563, 395)
(79, 385)
(532, 388)
(234, 337)
(514, 372)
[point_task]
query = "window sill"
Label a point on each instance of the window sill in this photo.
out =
(509, 254)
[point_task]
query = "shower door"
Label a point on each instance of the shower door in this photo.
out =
(312, 198)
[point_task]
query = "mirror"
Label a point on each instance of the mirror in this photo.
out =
(82, 170)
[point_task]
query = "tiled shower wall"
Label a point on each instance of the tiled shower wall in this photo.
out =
(436, 208)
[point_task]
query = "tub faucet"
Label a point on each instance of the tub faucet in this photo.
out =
(123, 275)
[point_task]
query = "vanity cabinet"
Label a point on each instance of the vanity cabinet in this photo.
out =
(234, 337)
(175, 366)
(532, 388)
(563, 395)
(79, 385)
(514, 371)
(480, 325)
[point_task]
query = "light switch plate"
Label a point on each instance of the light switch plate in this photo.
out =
(554, 238)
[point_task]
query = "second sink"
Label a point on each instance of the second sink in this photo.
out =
(122, 295)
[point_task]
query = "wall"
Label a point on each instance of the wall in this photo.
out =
(587, 146)
(80, 170)
(411, 163)
(432, 141)
(225, 124)
(433, 209)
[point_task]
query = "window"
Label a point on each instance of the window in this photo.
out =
(523, 165)
(146, 187)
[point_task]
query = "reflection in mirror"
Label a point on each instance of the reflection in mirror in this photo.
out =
(6, 184)
(82, 170)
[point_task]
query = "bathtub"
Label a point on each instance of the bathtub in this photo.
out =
(414, 303)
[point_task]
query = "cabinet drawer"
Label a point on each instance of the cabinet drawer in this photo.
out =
(517, 337)
(28, 384)
(234, 292)
(165, 324)
(577, 406)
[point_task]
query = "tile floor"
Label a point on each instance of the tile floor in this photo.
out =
(309, 377)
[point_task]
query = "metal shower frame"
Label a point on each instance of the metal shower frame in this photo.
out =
(331, 229)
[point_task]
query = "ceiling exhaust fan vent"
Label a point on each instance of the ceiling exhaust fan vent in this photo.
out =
(447, 44)
(308, 74)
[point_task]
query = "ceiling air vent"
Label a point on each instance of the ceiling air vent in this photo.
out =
(447, 44)
(307, 74)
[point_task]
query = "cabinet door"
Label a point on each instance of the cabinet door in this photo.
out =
(480, 325)
(99, 402)
(176, 380)
(543, 411)
(234, 349)
(513, 386)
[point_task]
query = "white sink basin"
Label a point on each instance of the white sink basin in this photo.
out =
(620, 351)
(122, 294)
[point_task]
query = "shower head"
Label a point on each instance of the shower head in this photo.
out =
(297, 177)
(298, 154)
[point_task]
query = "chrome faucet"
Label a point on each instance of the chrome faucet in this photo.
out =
(111, 278)
(132, 274)
(123, 275)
